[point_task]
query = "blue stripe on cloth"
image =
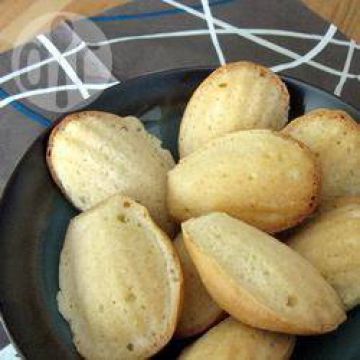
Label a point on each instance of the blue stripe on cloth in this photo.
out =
(124, 17)
(23, 109)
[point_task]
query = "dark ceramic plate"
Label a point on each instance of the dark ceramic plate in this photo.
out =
(34, 216)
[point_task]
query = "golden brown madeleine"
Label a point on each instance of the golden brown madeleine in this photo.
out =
(233, 340)
(120, 282)
(262, 177)
(334, 137)
(199, 311)
(331, 242)
(236, 96)
(259, 280)
(93, 155)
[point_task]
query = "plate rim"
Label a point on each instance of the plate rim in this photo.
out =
(145, 76)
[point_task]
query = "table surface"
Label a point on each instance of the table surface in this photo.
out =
(15, 14)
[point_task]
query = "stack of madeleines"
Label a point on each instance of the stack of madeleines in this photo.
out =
(129, 283)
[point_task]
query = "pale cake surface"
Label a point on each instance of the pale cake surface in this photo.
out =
(259, 280)
(336, 202)
(120, 282)
(199, 311)
(93, 155)
(334, 137)
(236, 96)
(331, 242)
(259, 176)
(233, 340)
